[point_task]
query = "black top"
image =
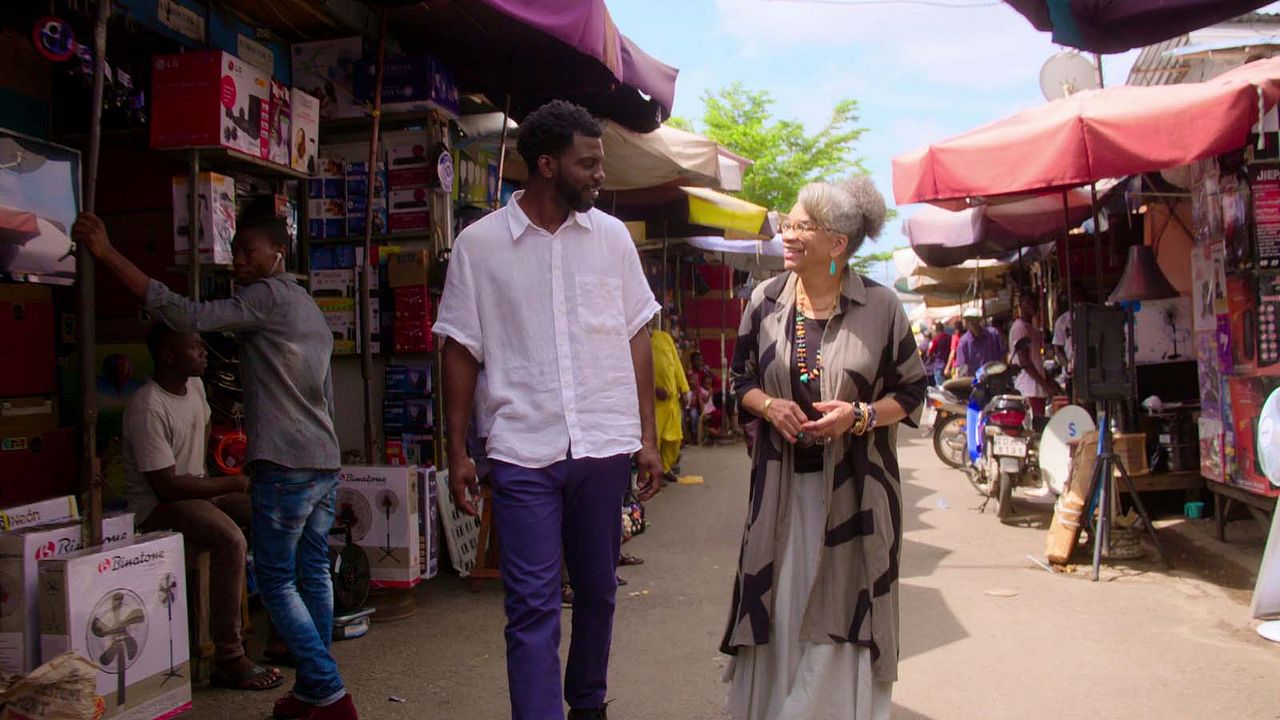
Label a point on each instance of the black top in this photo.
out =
(807, 459)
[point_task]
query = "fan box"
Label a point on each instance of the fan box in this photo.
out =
(20, 555)
(124, 609)
(429, 518)
(380, 504)
(53, 510)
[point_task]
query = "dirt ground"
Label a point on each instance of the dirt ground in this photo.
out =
(986, 633)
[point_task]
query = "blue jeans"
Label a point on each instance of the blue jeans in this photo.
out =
(292, 515)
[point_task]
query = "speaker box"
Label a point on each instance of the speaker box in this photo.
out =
(1100, 352)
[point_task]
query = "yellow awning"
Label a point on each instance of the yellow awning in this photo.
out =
(713, 209)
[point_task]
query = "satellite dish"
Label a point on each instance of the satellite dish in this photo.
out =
(1268, 442)
(1067, 73)
(1066, 426)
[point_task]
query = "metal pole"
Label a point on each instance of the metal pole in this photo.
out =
(89, 471)
(1066, 246)
(366, 275)
(193, 226)
(662, 316)
(724, 320)
(502, 155)
(1097, 239)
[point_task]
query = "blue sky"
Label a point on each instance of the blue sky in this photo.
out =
(919, 73)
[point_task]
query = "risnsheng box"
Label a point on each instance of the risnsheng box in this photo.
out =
(380, 504)
(20, 555)
(124, 609)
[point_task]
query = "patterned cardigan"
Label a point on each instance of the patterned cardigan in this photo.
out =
(869, 353)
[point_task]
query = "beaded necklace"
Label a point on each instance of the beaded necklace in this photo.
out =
(806, 374)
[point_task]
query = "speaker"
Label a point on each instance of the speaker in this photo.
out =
(1101, 357)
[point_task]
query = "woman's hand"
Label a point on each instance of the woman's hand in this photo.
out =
(786, 417)
(837, 419)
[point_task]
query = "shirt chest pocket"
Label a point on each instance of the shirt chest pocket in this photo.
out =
(600, 305)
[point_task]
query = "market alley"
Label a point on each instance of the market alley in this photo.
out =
(986, 633)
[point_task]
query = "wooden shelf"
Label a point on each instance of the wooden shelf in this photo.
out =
(233, 161)
(391, 122)
(1166, 481)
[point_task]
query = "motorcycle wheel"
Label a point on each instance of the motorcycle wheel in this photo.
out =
(1004, 501)
(950, 442)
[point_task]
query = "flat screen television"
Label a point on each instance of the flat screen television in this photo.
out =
(39, 200)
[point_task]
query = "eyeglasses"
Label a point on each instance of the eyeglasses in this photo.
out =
(802, 228)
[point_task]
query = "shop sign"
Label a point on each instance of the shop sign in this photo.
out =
(181, 19)
(255, 53)
(1266, 214)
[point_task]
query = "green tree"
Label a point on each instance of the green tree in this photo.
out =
(865, 264)
(786, 156)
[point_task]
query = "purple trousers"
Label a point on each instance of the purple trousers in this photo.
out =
(567, 514)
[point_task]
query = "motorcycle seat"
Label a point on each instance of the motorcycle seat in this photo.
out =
(961, 387)
(1008, 402)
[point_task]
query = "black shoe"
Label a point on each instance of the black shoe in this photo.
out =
(596, 714)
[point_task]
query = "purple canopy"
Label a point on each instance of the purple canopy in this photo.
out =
(1113, 26)
(534, 52)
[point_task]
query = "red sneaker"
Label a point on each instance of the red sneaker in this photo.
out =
(291, 708)
(344, 709)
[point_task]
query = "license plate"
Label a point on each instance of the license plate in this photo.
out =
(1009, 446)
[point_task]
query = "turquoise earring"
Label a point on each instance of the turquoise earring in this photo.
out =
(833, 267)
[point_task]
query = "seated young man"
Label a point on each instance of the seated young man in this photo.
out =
(166, 431)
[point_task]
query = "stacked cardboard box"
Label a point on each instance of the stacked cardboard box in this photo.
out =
(210, 98)
(217, 203)
(125, 610)
(408, 414)
(358, 198)
(20, 555)
(380, 504)
(409, 175)
(327, 199)
(58, 509)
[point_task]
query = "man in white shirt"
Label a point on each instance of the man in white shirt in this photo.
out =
(166, 430)
(1026, 343)
(548, 295)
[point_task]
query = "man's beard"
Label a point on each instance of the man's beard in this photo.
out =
(577, 200)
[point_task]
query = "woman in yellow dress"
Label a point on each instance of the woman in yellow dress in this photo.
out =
(670, 386)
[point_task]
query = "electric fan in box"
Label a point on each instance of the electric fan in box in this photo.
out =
(380, 506)
(125, 610)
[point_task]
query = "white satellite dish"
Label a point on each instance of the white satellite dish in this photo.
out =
(1067, 425)
(1266, 593)
(1067, 73)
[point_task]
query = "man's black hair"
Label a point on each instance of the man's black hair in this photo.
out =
(159, 336)
(549, 130)
(260, 216)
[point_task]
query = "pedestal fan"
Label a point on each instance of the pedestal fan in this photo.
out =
(1266, 593)
(117, 634)
(387, 503)
(169, 596)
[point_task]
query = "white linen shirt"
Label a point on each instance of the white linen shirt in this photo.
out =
(550, 317)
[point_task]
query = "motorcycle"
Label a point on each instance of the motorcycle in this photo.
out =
(1001, 437)
(949, 406)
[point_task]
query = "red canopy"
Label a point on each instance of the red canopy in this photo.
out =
(1092, 135)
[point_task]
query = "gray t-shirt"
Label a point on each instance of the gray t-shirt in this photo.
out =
(162, 430)
(285, 349)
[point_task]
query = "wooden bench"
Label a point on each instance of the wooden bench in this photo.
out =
(1260, 507)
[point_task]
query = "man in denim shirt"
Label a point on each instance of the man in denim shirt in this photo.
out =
(293, 454)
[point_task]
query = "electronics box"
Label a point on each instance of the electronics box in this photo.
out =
(409, 269)
(1242, 303)
(124, 609)
(380, 505)
(28, 415)
(209, 98)
(217, 199)
(410, 83)
(429, 517)
(326, 70)
(48, 463)
(53, 510)
(305, 131)
(279, 125)
(408, 380)
(1247, 396)
(20, 555)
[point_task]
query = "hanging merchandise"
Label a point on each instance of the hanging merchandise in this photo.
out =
(1265, 182)
(54, 39)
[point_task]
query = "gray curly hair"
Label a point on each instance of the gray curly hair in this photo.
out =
(851, 207)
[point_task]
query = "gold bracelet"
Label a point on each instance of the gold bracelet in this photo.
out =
(765, 409)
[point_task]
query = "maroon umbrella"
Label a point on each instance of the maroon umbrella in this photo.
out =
(533, 52)
(1113, 26)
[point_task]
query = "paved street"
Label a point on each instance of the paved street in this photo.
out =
(986, 633)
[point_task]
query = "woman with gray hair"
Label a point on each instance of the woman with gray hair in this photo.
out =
(827, 359)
